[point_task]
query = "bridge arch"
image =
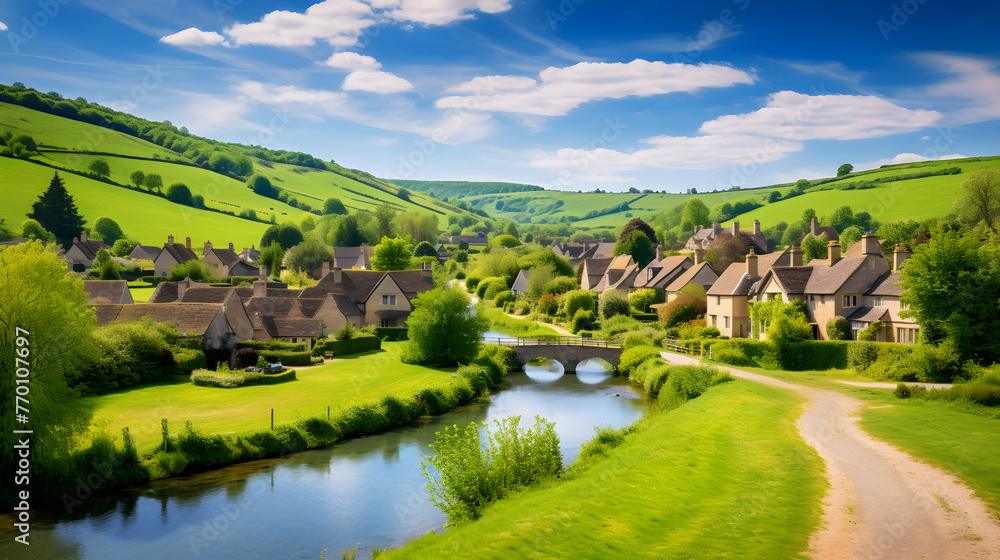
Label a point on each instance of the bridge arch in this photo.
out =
(568, 351)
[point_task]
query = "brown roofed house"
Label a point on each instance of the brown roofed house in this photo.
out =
(207, 320)
(107, 291)
(171, 255)
(84, 250)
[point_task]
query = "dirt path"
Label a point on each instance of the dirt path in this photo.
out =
(881, 385)
(882, 503)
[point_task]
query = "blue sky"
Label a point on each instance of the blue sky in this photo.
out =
(569, 94)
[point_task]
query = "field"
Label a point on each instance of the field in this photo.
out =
(724, 476)
(144, 217)
(341, 383)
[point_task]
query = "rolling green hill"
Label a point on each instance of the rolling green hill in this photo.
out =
(70, 146)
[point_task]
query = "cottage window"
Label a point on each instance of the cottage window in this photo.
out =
(387, 323)
(389, 300)
(294, 340)
(822, 300)
(850, 301)
(877, 301)
(726, 321)
(718, 300)
(715, 320)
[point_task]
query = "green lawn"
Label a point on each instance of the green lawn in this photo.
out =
(341, 383)
(522, 328)
(141, 293)
(144, 217)
(940, 433)
(724, 476)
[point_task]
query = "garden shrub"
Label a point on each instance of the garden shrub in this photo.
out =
(898, 362)
(287, 358)
(560, 285)
(276, 345)
(613, 302)
(128, 354)
(619, 324)
(361, 342)
(685, 383)
(634, 357)
(491, 283)
(188, 360)
(868, 333)
(582, 320)
(902, 391)
(245, 357)
(641, 299)
(478, 377)
(320, 430)
(576, 300)
(838, 328)
(636, 339)
(682, 309)
(503, 298)
(238, 378)
(548, 305)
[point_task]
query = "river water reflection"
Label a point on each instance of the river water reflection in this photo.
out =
(361, 493)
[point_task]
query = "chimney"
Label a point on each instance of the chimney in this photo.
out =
(325, 270)
(83, 236)
(756, 227)
(813, 226)
(656, 256)
(260, 286)
(232, 248)
(870, 245)
(188, 243)
(338, 275)
(899, 256)
(735, 228)
(170, 240)
(208, 247)
(716, 228)
(697, 229)
(262, 273)
(76, 240)
(833, 252)
(699, 255)
(752, 264)
(796, 254)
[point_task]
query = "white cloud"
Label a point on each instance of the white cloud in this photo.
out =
(973, 87)
(666, 152)
(376, 82)
(562, 89)
(905, 158)
(338, 22)
(798, 116)
(194, 37)
(925, 137)
(315, 104)
(352, 61)
(3, 26)
(439, 12)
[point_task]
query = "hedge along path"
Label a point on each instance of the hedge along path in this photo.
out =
(882, 502)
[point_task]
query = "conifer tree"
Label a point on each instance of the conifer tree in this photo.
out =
(57, 213)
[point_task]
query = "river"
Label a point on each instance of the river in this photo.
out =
(360, 493)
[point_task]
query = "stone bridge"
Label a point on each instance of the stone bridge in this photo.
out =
(567, 350)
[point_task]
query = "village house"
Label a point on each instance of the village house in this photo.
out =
(661, 272)
(225, 262)
(353, 257)
(704, 237)
(249, 254)
(729, 296)
(367, 297)
(520, 285)
(620, 274)
(107, 291)
(479, 239)
(144, 252)
(577, 252)
(83, 251)
(171, 255)
(206, 321)
(695, 282)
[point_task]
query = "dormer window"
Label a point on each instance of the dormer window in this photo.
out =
(389, 300)
(877, 301)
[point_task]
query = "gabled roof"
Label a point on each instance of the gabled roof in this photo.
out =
(167, 292)
(688, 276)
(792, 279)
(627, 279)
(89, 247)
(665, 270)
(734, 282)
(107, 291)
(353, 257)
(358, 284)
(828, 279)
(228, 257)
(306, 307)
(887, 285)
(603, 249)
(148, 252)
(243, 268)
(595, 268)
(521, 282)
(470, 239)
(249, 254)
(869, 314)
(213, 294)
(282, 327)
(178, 252)
(190, 318)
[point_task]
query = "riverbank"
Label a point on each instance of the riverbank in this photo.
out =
(339, 384)
(724, 475)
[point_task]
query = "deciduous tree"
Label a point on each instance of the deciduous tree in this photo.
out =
(392, 254)
(443, 329)
(844, 169)
(107, 230)
(981, 196)
(100, 168)
(333, 206)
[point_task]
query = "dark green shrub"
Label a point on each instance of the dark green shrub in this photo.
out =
(271, 345)
(902, 391)
(432, 402)
(634, 357)
(838, 328)
(360, 343)
(503, 298)
(245, 357)
(613, 302)
(577, 300)
(478, 377)
(320, 430)
(582, 320)
(363, 420)
(287, 358)
(188, 360)
(129, 354)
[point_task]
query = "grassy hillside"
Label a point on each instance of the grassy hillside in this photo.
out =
(72, 145)
(917, 199)
(145, 217)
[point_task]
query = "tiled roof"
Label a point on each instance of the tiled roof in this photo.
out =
(669, 267)
(90, 247)
(353, 257)
(105, 291)
(190, 318)
(792, 279)
(213, 295)
(470, 239)
(147, 252)
(868, 314)
(346, 305)
(886, 285)
(829, 279)
(521, 282)
(308, 307)
(358, 284)
(734, 282)
(596, 268)
(688, 275)
(258, 308)
(280, 327)
(179, 252)
(226, 256)
(166, 292)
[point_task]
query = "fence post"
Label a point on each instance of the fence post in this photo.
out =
(272, 419)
